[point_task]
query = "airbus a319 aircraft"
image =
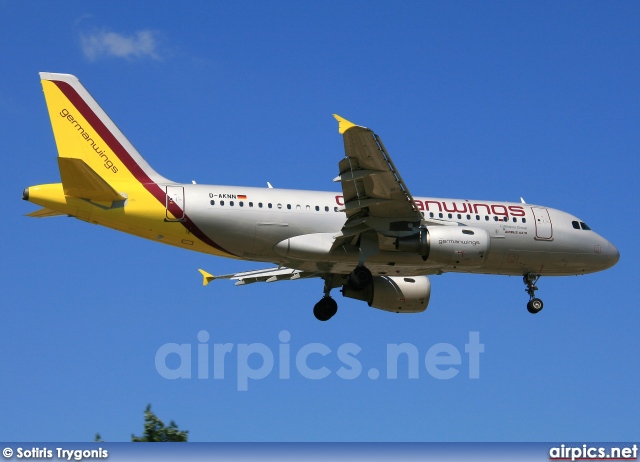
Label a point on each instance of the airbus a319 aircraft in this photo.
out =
(374, 240)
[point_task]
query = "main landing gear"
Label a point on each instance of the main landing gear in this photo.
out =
(327, 307)
(535, 304)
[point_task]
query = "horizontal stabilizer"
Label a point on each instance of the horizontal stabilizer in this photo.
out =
(79, 180)
(206, 277)
(44, 213)
(263, 275)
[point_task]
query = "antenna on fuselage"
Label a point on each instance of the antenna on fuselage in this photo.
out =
(269, 184)
(522, 200)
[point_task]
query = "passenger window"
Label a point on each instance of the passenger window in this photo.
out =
(270, 205)
(450, 216)
(326, 208)
(221, 202)
(241, 204)
(260, 204)
(575, 225)
(298, 207)
(524, 220)
(279, 206)
(440, 215)
(430, 214)
(486, 218)
(468, 217)
(250, 204)
(213, 202)
(515, 219)
(308, 208)
(317, 208)
(231, 203)
(584, 226)
(495, 218)
(288, 206)
(335, 209)
(459, 216)
(477, 217)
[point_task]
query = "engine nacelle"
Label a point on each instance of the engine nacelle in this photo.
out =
(398, 294)
(458, 246)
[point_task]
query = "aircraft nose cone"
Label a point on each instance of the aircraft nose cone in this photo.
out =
(613, 253)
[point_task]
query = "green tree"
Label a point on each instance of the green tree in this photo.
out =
(156, 432)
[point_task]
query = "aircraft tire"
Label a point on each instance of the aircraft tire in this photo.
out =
(325, 309)
(535, 305)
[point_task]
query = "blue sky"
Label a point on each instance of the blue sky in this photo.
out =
(493, 100)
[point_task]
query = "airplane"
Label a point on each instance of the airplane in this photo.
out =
(374, 240)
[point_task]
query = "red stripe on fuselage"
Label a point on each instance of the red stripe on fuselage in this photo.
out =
(124, 156)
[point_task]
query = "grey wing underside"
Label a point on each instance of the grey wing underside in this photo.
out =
(376, 199)
(377, 203)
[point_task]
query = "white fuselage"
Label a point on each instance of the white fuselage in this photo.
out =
(524, 238)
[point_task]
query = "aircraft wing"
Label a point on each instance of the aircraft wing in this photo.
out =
(375, 196)
(263, 275)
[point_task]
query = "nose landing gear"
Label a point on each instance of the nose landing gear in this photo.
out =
(535, 304)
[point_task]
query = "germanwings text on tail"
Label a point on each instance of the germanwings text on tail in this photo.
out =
(374, 240)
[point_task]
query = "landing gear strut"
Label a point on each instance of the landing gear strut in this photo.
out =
(358, 280)
(535, 304)
(327, 306)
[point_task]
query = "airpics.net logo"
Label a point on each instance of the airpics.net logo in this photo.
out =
(313, 361)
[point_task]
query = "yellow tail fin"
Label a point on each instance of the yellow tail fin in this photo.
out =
(84, 131)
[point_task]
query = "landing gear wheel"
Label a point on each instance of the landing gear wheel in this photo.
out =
(360, 278)
(534, 305)
(325, 309)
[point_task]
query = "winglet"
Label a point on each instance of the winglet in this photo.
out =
(206, 277)
(343, 124)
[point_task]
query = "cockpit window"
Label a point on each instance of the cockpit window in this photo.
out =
(584, 226)
(575, 224)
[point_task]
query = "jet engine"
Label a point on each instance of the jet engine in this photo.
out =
(448, 245)
(398, 294)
